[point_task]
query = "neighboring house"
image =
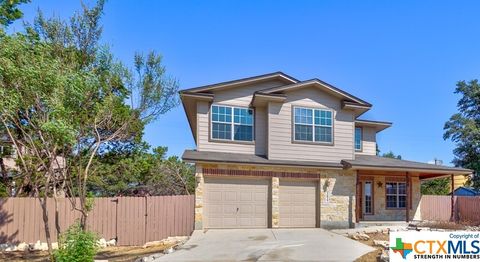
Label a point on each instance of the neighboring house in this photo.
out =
(273, 151)
(8, 154)
(460, 181)
(466, 191)
(8, 163)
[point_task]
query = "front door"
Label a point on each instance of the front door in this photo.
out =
(367, 198)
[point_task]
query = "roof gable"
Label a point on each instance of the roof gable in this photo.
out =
(319, 84)
(278, 76)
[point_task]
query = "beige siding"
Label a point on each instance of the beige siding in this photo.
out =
(239, 96)
(369, 144)
(280, 145)
(261, 131)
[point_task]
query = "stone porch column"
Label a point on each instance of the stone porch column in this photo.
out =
(275, 202)
(199, 197)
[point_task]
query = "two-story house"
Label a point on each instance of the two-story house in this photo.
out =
(274, 151)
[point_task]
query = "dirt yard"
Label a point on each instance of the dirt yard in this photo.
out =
(122, 254)
(374, 255)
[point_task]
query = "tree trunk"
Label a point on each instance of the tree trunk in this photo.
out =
(43, 204)
(83, 221)
(83, 211)
(57, 216)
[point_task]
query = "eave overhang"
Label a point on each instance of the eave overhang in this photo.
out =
(377, 125)
(198, 96)
(359, 109)
(418, 170)
(262, 99)
(245, 81)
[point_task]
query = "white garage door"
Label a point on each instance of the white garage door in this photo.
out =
(298, 201)
(236, 203)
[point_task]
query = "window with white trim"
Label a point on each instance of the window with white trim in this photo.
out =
(358, 139)
(396, 194)
(231, 123)
(314, 125)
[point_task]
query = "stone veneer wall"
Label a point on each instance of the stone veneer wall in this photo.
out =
(383, 214)
(337, 196)
(199, 181)
(337, 199)
(275, 202)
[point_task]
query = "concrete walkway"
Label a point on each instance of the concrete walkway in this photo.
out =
(268, 245)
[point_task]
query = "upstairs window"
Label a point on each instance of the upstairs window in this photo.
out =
(358, 139)
(232, 123)
(313, 125)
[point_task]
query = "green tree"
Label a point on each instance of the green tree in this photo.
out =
(463, 128)
(390, 154)
(439, 186)
(10, 12)
(64, 99)
(134, 171)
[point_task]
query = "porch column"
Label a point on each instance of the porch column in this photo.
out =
(452, 199)
(357, 199)
(407, 200)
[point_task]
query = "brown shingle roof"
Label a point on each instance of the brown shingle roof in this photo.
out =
(360, 162)
(221, 157)
(367, 161)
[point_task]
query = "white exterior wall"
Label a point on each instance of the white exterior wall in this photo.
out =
(280, 141)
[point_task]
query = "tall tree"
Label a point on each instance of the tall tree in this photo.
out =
(463, 128)
(10, 12)
(65, 99)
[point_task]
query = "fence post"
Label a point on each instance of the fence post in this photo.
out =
(146, 214)
(116, 218)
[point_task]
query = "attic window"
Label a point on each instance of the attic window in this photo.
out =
(313, 125)
(232, 123)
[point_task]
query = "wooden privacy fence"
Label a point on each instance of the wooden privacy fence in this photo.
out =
(130, 220)
(438, 208)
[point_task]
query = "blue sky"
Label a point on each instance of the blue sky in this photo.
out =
(404, 57)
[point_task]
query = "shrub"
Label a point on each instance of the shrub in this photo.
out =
(76, 245)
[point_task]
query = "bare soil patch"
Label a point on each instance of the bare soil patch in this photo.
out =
(118, 253)
(374, 255)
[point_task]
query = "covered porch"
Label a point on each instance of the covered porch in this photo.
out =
(388, 190)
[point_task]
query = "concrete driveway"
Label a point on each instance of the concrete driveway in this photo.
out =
(268, 245)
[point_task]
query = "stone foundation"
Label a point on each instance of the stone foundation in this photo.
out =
(199, 197)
